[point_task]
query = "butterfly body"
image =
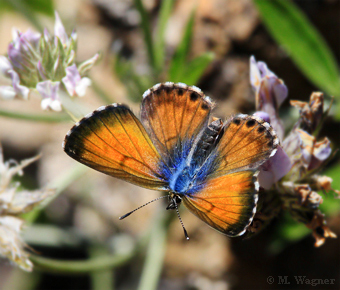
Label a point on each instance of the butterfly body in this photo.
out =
(209, 165)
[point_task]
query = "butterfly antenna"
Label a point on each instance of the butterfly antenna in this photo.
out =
(180, 220)
(126, 215)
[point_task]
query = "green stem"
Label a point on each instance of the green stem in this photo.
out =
(101, 280)
(72, 107)
(81, 267)
(155, 254)
(101, 263)
(48, 118)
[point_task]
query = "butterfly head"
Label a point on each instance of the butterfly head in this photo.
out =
(175, 201)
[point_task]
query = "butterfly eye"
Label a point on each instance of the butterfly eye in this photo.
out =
(178, 199)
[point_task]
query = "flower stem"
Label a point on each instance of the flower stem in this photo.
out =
(75, 110)
(101, 280)
(48, 118)
(84, 266)
(98, 263)
(155, 253)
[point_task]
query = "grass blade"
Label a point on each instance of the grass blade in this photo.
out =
(163, 18)
(195, 69)
(291, 28)
(176, 69)
(147, 32)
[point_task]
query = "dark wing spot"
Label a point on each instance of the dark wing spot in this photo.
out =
(261, 129)
(194, 96)
(270, 143)
(180, 92)
(250, 123)
(237, 121)
(158, 91)
(167, 89)
(204, 106)
(268, 135)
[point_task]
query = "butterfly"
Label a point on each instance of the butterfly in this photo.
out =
(178, 147)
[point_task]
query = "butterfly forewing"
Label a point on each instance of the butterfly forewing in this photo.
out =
(247, 142)
(112, 140)
(174, 113)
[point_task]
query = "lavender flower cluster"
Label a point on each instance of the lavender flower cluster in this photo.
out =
(290, 179)
(46, 64)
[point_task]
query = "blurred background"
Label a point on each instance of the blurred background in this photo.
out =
(203, 43)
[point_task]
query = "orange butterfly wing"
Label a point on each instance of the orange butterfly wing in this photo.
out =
(172, 113)
(247, 142)
(226, 203)
(227, 200)
(113, 141)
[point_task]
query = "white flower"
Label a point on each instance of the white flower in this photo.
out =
(11, 243)
(49, 92)
(74, 83)
(12, 203)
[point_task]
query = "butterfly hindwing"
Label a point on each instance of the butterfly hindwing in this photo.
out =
(113, 141)
(226, 203)
(174, 113)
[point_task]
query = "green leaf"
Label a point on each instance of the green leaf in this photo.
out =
(40, 6)
(47, 118)
(28, 9)
(291, 28)
(178, 62)
(331, 205)
(163, 18)
(287, 232)
(195, 69)
(147, 32)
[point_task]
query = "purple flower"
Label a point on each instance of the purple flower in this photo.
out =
(88, 64)
(270, 92)
(263, 115)
(22, 49)
(274, 169)
(5, 65)
(49, 92)
(16, 90)
(41, 61)
(75, 85)
(59, 30)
